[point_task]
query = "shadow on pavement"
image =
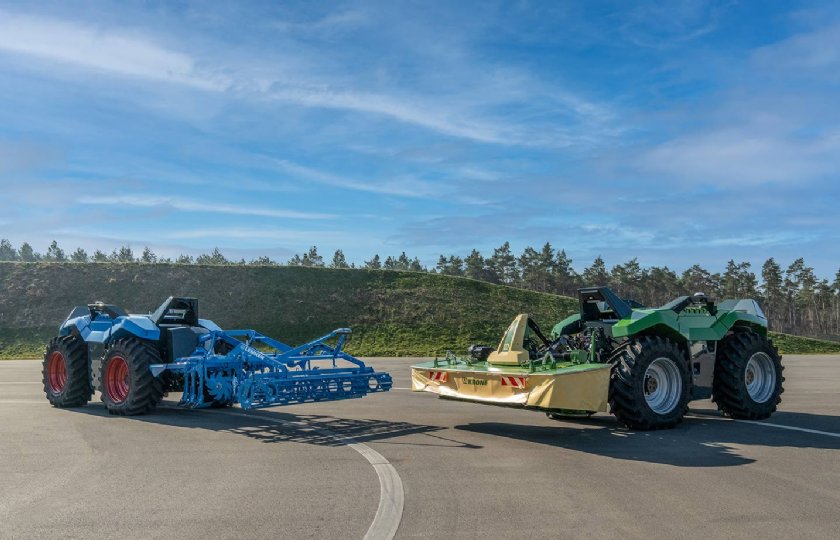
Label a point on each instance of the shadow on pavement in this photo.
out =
(708, 440)
(276, 427)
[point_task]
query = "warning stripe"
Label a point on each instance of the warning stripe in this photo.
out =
(439, 376)
(516, 382)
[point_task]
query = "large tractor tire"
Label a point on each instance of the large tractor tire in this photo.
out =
(748, 376)
(66, 372)
(649, 385)
(128, 387)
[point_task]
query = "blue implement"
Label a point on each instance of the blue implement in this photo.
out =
(258, 371)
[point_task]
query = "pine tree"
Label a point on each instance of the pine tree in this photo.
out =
(148, 256)
(262, 261)
(503, 264)
(7, 251)
(184, 259)
(27, 254)
(101, 256)
(771, 292)
(79, 256)
(311, 258)
(124, 255)
(698, 279)
(596, 275)
(338, 260)
(215, 257)
(566, 281)
(374, 264)
(55, 253)
(474, 266)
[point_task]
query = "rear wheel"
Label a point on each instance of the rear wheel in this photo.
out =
(649, 383)
(66, 373)
(128, 386)
(748, 376)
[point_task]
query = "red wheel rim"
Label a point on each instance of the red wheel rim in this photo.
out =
(56, 372)
(116, 379)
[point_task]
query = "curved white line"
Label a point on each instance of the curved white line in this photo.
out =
(391, 494)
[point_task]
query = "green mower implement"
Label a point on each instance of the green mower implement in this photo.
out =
(645, 364)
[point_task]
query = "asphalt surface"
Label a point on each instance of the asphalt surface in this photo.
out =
(466, 470)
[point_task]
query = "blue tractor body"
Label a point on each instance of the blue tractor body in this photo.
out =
(134, 359)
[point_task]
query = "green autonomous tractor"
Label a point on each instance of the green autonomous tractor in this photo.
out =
(645, 364)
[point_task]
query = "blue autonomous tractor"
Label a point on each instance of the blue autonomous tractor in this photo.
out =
(133, 360)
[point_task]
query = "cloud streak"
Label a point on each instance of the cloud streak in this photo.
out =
(205, 206)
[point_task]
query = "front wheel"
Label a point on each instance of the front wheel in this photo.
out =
(748, 376)
(649, 383)
(66, 373)
(128, 386)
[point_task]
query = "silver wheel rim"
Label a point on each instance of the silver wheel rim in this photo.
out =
(662, 385)
(760, 377)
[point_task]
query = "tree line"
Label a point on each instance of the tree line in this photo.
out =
(794, 298)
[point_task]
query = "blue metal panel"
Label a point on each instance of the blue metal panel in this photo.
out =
(136, 325)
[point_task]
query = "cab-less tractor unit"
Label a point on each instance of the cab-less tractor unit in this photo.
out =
(134, 359)
(646, 364)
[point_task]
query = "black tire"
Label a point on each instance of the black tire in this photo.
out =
(66, 372)
(632, 385)
(730, 390)
(127, 385)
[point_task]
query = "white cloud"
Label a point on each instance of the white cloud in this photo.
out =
(124, 53)
(143, 201)
(729, 157)
(99, 49)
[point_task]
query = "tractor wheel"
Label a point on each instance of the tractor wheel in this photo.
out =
(66, 372)
(128, 386)
(649, 385)
(748, 376)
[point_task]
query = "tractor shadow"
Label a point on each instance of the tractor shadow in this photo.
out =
(704, 439)
(269, 426)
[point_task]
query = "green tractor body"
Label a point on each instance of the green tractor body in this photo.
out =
(644, 365)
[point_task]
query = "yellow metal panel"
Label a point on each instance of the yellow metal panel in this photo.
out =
(511, 351)
(580, 390)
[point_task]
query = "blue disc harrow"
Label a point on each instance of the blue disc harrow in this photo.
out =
(258, 371)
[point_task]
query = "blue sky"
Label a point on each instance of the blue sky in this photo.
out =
(675, 132)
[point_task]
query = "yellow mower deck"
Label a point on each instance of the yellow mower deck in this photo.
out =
(568, 386)
(509, 377)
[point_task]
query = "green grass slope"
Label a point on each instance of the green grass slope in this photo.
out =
(391, 313)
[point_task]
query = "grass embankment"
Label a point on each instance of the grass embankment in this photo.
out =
(789, 344)
(391, 313)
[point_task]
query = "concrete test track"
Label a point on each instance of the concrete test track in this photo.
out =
(410, 465)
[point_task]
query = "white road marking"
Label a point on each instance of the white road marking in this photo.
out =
(792, 428)
(399, 388)
(27, 401)
(39, 383)
(767, 424)
(391, 494)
